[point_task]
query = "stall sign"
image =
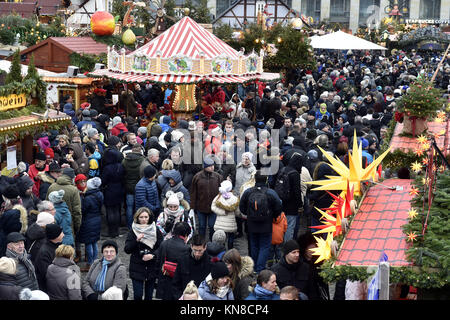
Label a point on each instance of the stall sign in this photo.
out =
(12, 101)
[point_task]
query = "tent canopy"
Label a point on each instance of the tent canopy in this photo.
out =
(343, 41)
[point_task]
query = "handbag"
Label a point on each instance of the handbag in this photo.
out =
(169, 268)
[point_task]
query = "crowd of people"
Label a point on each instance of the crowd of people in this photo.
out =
(184, 209)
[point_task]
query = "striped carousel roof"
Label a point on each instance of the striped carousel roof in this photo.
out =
(187, 38)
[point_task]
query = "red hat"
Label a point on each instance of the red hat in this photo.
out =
(85, 105)
(49, 153)
(80, 177)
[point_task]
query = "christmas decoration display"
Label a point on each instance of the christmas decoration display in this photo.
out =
(102, 23)
(128, 37)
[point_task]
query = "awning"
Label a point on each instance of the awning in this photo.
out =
(343, 41)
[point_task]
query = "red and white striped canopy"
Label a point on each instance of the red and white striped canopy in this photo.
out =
(168, 78)
(187, 38)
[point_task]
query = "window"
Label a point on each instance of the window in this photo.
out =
(339, 11)
(369, 9)
(430, 9)
(311, 8)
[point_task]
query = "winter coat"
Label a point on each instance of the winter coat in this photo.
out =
(179, 216)
(71, 198)
(92, 217)
(225, 210)
(29, 201)
(244, 279)
(43, 259)
(35, 238)
(296, 274)
(204, 188)
(259, 293)
(118, 129)
(205, 291)
(139, 269)
(112, 179)
(32, 173)
(94, 164)
(81, 162)
(279, 227)
(147, 195)
(8, 289)
(163, 182)
(131, 165)
(291, 205)
(190, 269)
(243, 174)
(63, 280)
(64, 220)
(25, 277)
(275, 206)
(115, 276)
(171, 250)
(46, 181)
(12, 220)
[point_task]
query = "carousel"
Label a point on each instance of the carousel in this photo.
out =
(184, 55)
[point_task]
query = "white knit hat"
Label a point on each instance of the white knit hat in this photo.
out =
(27, 294)
(56, 196)
(7, 265)
(173, 200)
(44, 218)
(249, 155)
(94, 183)
(176, 135)
(225, 186)
(116, 120)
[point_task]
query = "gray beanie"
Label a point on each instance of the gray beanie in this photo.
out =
(91, 132)
(219, 236)
(94, 183)
(142, 130)
(56, 196)
(116, 120)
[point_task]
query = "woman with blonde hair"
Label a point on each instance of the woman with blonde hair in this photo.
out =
(191, 292)
(63, 275)
(142, 242)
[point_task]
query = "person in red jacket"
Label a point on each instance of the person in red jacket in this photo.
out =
(39, 165)
(118, 126)
(219, 95)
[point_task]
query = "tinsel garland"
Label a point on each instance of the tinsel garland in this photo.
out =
(20, 133)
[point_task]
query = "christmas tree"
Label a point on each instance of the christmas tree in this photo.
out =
(15, 72)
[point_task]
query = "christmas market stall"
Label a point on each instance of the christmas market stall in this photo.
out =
(184, 55)
(23, 115)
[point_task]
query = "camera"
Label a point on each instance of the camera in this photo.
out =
(144, 252)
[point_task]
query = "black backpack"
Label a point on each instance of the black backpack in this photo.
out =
(282, 185)
(258, 205)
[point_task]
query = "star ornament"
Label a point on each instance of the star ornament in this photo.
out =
(323, 249)
(412, 213)
(412, 236)
(416, 166)
(422, 139)
(425, 146)
(354, 173)
(418, 152)
(414, 191)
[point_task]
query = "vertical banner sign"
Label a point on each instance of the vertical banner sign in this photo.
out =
(11, 158)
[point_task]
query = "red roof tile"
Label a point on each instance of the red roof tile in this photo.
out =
(82, 44)
(377, 227)
(27, 7)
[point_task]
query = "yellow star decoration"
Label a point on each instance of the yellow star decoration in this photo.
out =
(355, 174)
(425, 161)
(412, 236)
(422, 139)
(416, 166)
(412, 213)
(419, 152)
(425, 146)
(414, 191)
(323, 249)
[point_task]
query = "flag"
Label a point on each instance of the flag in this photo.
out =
(380, 170)
(374, 285)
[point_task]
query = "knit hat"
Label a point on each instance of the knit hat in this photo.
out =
(365, 143)
(69, 172)
(166, 120)
(40, 156)
(313, 155)
(110, 243)
(49, 153)
(80, 177)
(11, 192)
(219, 269)
(192, 126)
(93, 113)
(249, 155)
(142, 130)
(173, 200)
(86, 113)
(322, 125)
(7, 265)
(94, 183)
(289, 246)
(44, 218)
(54, 167)
(52, 231)
(311, 134)
(225, 186)
(56, 196)
(207, 162)
(27, 294)
(14, 237)
(116, 120)
(113, 140)
(92, 132)
(219, 236)
(176, 135)
(183, 124)
(311, 112)
(149, 171)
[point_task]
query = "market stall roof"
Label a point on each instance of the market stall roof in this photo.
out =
(377, 226)
(5, 65)
(187, 38)
(407, 144)
(343, 41)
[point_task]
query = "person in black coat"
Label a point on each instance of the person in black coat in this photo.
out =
(46, 253)
(9, 290)
(195, 265)
(171, 250)
(143, 241)
(291, 270)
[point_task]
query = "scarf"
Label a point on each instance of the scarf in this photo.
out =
(222, 291)
(226, 195)
(23, 258)
(149, 231)
(99, 285)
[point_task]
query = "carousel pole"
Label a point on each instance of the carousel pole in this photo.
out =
(440, 64)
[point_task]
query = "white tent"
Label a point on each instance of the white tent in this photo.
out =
(343, 41)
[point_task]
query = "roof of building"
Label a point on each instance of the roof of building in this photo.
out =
(377, 226)
(73, 44)
(27, 8)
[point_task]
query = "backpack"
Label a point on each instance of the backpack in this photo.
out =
(258, 205)
(282, 184)
(340, 83)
